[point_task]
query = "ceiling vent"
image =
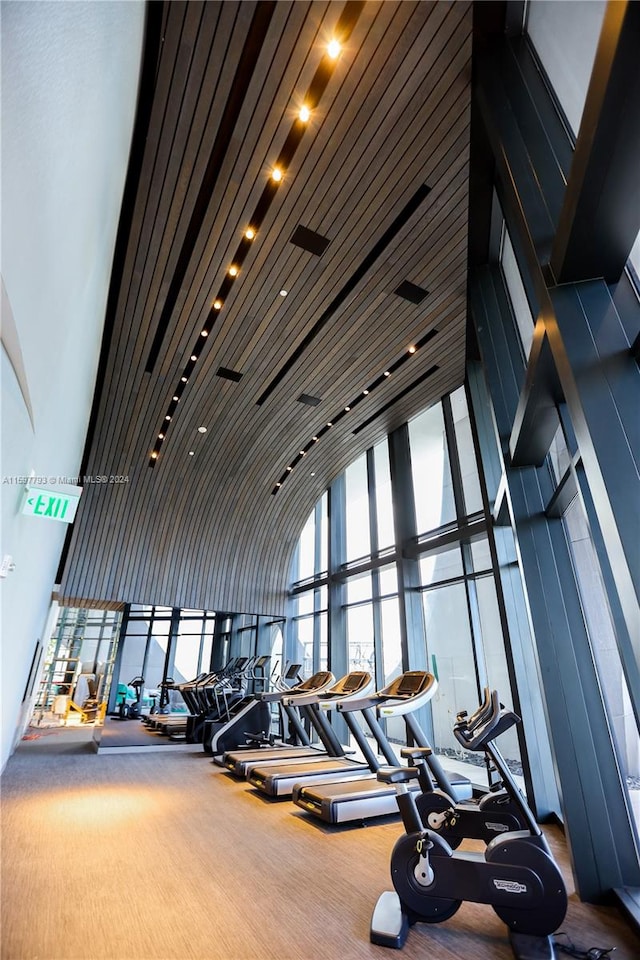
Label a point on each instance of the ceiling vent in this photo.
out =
(227, 374)
(309, 241)
(411, 292)
(309, 400)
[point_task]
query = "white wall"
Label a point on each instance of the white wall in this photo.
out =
(70, 74)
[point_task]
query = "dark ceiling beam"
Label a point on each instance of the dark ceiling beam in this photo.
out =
(600, 218)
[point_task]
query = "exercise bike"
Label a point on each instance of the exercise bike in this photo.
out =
(516, 874)
(496, 812)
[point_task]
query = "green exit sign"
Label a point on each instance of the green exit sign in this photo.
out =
(52, 504)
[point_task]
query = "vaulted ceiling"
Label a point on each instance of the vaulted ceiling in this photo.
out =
(366, 231)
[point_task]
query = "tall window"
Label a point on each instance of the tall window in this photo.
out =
(358, 538)
(464, 641)
(433, 493)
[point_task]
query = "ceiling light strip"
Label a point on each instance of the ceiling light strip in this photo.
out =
(410, 352)
(240, 85)
(399, 396)
(257, 31)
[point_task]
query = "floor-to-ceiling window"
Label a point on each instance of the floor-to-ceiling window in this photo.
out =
(362, 592)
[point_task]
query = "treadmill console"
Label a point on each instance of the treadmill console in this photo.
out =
(355, 681)
(410, 684)
(319, 679)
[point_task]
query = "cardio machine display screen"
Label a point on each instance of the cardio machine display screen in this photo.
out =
(410, 684)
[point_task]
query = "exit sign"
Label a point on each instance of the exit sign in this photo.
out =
(52, 504)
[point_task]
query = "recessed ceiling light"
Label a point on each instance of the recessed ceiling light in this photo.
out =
(312, 474)
(161, 436)
(366, 393)
(304, 114)
(302, 453)
(154, 455)
(278, 484)
(289, 469)
(167, 417)
(329, 424)
(412, 349)
(283, 293)
(276, 174)
(249, 233)
(176, 399)
(346, 409)
(202, 429)
(190, 453)
(233, 270)
(315, 439)
(333, 49)
(193, 357)
(217, 304)
(183, 379)
(387, 374)
(204, 333)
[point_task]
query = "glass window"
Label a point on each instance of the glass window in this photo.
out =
(357, 510)
(388, 580)
(520, 304)
(495, 660)
(359, 588)
(391, 643)
(306, 549)
(605, 648)
(321, 620)
(433, 491)
(360, 647)
(480, 555)
(324, 534)
(466, 452)
(634, 260)
(565, 35)
(187, 657)
(451, 659)
(559, 455)
(304, 603)
(384, 504)
(446, 565)
(304, 645)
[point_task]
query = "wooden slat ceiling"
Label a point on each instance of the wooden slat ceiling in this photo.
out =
(380, 171)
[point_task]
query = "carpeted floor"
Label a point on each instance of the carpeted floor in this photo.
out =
(161, 855)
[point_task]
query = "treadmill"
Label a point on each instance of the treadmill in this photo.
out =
(367, 797)
(290, 698)
(278, 779)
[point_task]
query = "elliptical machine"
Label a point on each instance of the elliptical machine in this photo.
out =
(516, 874)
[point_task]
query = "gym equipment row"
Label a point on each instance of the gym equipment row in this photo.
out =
(516, 874)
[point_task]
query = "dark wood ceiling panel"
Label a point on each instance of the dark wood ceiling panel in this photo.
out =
(206, 530)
